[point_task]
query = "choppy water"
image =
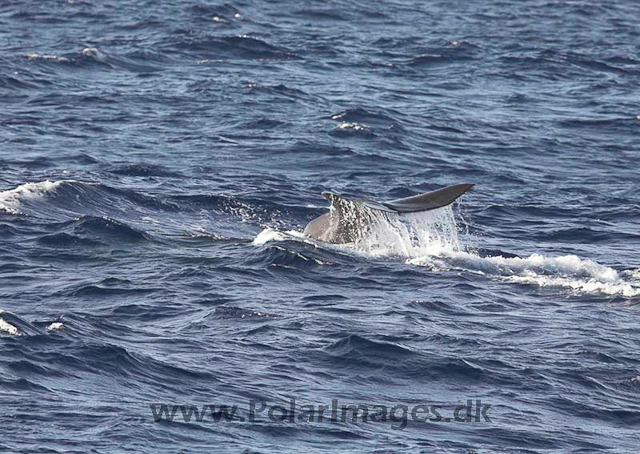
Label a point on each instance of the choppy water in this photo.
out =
(160, 161)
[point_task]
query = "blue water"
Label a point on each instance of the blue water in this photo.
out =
(159, 164)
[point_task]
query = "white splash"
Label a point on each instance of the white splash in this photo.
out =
(411, 235)
(11, 200)
(9, 328)
(431, 239)
(568, 271)
(269, 235)
(55, 326)
(353, 126)
(35, 56)
(95, 53)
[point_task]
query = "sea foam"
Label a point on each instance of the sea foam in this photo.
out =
(431, 239)
(11, 200)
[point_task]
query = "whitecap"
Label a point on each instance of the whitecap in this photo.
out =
(268, 235)
(9, 328)
(55, 326)
(11, 200)
(94, 53)
(35, 56)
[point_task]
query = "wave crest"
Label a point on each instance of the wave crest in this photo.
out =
(11, 200)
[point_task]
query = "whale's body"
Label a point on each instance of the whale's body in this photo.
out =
(348, 219)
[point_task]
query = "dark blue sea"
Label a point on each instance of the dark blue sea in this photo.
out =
(160, 160)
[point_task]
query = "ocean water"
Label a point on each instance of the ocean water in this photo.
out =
(161, 159)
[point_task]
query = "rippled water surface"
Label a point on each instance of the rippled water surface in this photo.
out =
(161, 159)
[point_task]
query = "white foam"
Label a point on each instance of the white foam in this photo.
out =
(11, 200)
(55, 326)
(9, 328)
(431, 239)
(568, 271)
(94, 53)
(35, 56)
(353, 126)
(270, 234)
(580, 285)
(411, 235)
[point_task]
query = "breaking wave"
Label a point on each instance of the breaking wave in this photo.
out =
(11, 201)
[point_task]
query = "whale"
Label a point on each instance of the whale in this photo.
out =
(349, 219)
